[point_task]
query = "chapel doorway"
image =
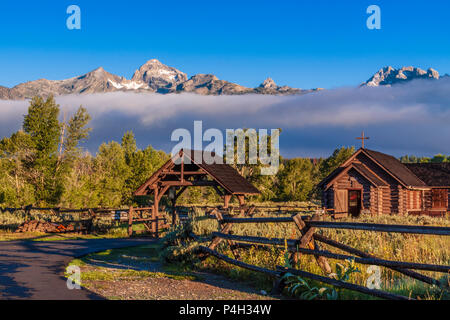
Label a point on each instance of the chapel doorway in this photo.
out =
(354, 203)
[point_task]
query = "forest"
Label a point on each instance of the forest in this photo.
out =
(44, 164)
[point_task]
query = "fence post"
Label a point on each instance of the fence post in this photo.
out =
(227, 229)
(307, 240)
(91, 220)
(130, 222)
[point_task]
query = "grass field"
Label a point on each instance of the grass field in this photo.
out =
(10, 221)
(392, 246)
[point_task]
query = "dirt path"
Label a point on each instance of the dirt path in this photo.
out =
(133, 275)
(35, 269)
(161, 288)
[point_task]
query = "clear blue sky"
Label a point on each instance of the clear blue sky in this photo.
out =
(299, 43)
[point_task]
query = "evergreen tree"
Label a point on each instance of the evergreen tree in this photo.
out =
(296, 179)
(337, 158)
(42, 125)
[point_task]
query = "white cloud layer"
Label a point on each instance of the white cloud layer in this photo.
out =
(411, 118)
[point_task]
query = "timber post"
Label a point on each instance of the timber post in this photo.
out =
(155, 214)
(130, 222)
(307, 241)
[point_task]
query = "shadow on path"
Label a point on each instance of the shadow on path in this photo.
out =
(35, 269)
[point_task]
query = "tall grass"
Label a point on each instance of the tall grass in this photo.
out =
(392, 246)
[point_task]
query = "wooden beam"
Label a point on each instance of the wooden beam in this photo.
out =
(260, 219)
(219, 217)
(162, 192)
(176, 173)
(189, 183)
(226, 200)
(180, 192)
(130, 222)
(155, 213)
(220, 193)
(182, 166)
(307, 240)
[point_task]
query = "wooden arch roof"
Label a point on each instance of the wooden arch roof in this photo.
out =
(185, 169)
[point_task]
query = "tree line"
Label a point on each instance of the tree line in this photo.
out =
(43, 164)
(439, 158)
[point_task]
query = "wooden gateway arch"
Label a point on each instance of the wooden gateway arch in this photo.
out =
(185, 170)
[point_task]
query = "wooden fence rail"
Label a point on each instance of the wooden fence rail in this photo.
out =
(346, 248)
(308, 244)
(441, 231)
(129, 215)
(292, 246)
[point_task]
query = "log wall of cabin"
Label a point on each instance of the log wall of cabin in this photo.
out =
(448, 199)
(353, 180)
(374, 201)
(328, 198)
(427, 200)
(393, 197)
(414, 200)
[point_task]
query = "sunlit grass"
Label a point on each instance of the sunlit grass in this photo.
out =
(428, 249)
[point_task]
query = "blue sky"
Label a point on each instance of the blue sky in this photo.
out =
(299, 43)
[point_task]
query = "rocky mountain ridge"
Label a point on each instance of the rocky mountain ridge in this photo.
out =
(389, 76)
(153, 76)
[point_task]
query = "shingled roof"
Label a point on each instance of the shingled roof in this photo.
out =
(396, 168)
(433, 174)
(388, 163)
(225, 175)
(369, 174)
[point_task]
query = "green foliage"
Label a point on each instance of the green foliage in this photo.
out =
(141, 163)
(44, 164)
(296, 179)
(43, 126)
(337, 158)
(76, 133)
(307, 290)
(344, 271)
(439, 158)
(300, 288)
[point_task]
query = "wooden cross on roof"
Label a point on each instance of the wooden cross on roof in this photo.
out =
(362, 138)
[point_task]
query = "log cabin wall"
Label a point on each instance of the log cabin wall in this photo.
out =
(328, 198)
(414, 200)
(389, 188)
(427, 200)
(448, 200)
(388, 205)
(393, 198)
(353, 180)
(375, 202)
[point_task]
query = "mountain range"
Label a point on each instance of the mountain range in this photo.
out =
(388, 76)
(154, 76)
